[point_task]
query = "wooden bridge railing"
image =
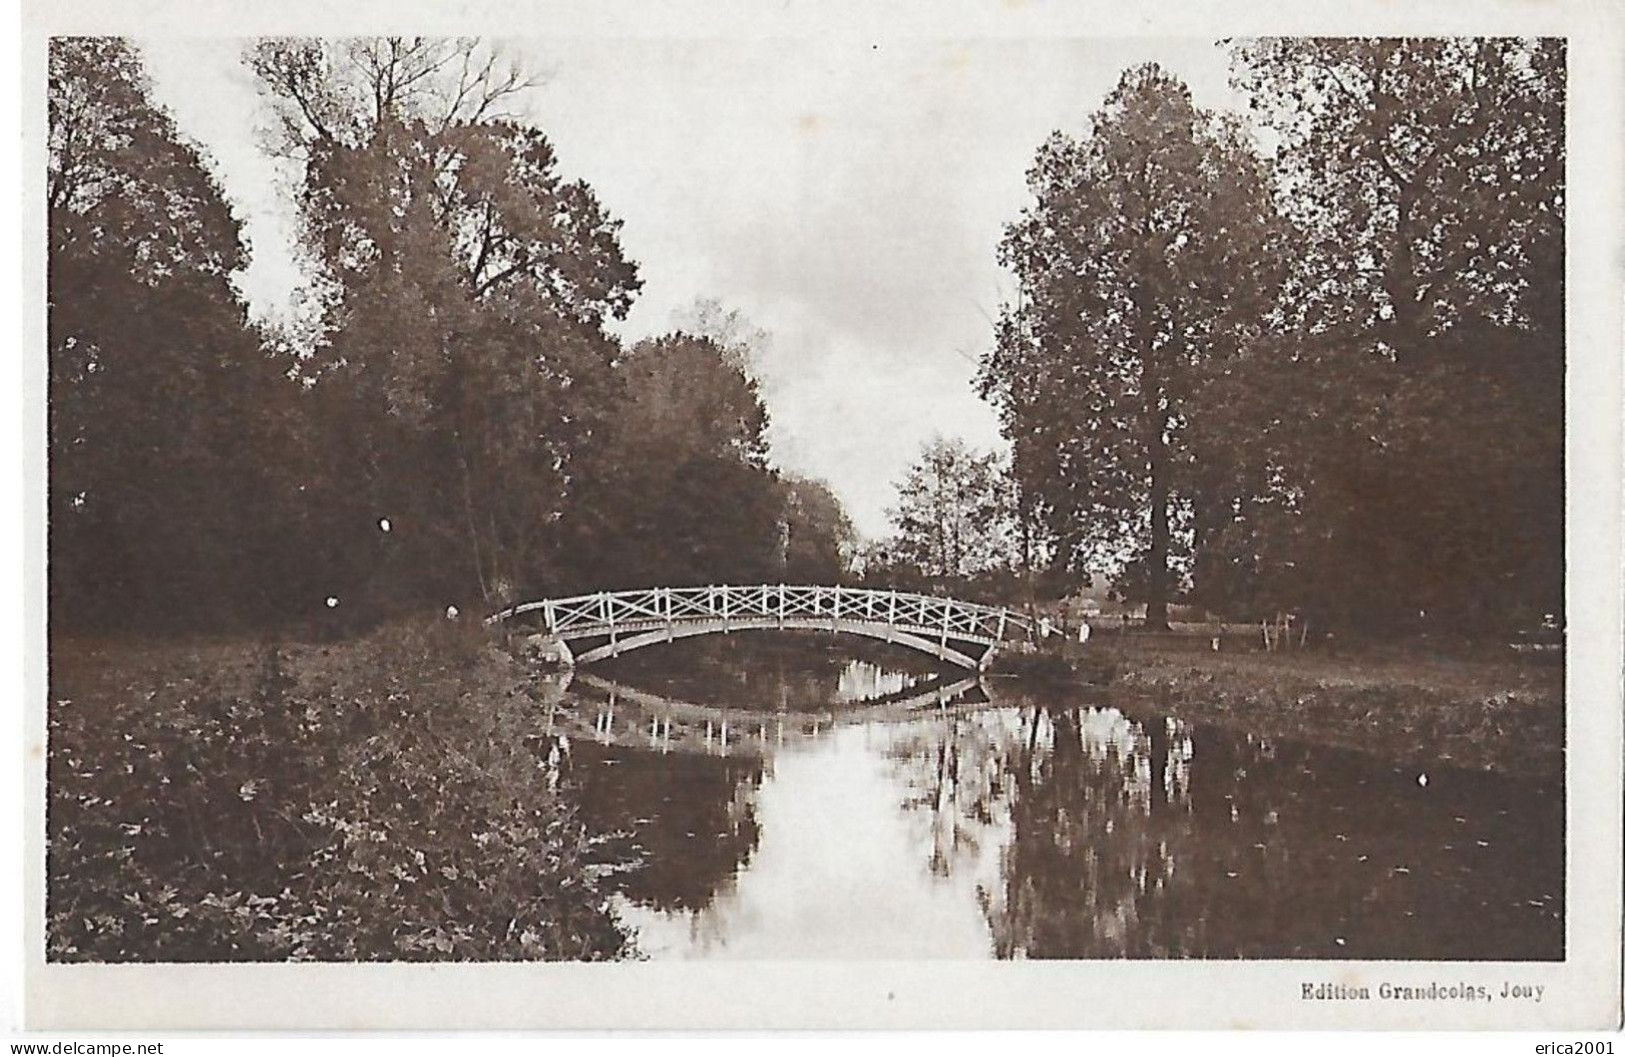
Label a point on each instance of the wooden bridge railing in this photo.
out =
(584, 615)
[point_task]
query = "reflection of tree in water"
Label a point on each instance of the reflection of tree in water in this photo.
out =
(1149, 840)
(691, 819)
(957, 776)
(1100, 809)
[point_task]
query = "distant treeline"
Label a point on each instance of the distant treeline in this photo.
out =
(1319, 369)
(449, 424)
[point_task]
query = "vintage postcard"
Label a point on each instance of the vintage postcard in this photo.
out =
(846, 516)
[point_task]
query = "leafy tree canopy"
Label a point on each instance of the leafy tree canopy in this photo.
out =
(1147, 262)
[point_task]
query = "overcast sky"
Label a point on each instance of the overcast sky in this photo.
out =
(846, 196)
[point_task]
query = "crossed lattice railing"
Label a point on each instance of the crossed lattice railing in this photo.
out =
(653, 607)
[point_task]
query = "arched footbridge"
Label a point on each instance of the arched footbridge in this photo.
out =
(588, 628)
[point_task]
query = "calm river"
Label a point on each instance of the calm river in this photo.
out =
(812, 798)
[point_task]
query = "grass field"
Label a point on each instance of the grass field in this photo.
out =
(1488, 709)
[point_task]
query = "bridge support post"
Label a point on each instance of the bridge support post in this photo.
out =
(607, 606)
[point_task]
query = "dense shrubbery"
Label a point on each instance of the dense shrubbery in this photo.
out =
(386, 799)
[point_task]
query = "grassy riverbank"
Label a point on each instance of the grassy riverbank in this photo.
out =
(384, 798)
(1422, 707)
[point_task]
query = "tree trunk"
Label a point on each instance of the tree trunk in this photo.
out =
(473, 529)
(1407, 329)
(1156, 450)
(1156, 580)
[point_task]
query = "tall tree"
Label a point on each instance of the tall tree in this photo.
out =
(163, 408)
(465, 358)
(950, 520)
(1146, 264)
(677, 488)
(693, 393)
(818, 536)
(1419, 402)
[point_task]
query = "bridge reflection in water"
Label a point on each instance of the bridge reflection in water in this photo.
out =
(581, 705)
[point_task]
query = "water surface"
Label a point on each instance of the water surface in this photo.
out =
(764, 810)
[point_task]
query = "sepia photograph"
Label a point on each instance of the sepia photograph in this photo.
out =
(845, 499)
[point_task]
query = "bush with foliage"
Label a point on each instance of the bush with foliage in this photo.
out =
(388, 799)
